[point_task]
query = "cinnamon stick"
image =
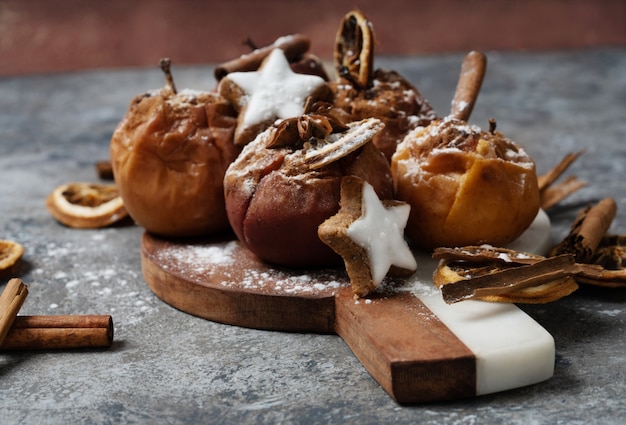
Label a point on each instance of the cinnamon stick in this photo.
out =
(587, 231)
(544, 181)
(507, 280)
(293, 46)
(59, 332)
(467, 89)
(553, 194)
(11, 301)
(481, 254)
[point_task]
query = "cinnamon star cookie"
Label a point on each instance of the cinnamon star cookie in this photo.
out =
(273, 92)
(369, 235)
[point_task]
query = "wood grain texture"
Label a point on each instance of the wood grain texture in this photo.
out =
(236, 303)
(403, 345)
(406, 348)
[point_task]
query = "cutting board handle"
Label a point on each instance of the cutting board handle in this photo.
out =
(406, 348)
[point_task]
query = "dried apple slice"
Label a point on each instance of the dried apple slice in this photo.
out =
(10, 253)
(342, 144)
(86, 205)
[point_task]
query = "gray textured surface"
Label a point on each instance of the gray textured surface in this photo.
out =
(168, 367)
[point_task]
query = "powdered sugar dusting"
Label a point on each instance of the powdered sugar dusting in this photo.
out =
(288, 282)
(229, 265)
(201, 254)
(419, 286)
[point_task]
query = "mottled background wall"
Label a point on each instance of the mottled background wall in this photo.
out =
(49, 36)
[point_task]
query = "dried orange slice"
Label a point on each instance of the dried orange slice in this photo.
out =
(86, 205)
(10, 253)
(354, 49)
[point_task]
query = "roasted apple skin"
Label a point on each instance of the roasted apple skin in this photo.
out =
(169, 155)
(392, 99)
(483, 192)
(275, 207)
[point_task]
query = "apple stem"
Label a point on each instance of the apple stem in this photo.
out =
(165, 66)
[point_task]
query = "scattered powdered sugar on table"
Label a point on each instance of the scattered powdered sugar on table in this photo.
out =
(612, 313)
(52, 250)
(71, 284)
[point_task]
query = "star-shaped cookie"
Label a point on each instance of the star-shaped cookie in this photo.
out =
(369, 235)
(273, 92)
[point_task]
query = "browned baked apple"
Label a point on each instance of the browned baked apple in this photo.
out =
(169, 155)
(287, 182)
(465, 186)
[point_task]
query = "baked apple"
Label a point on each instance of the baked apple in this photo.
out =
(287, 181)
(465, 186)
(169, 155)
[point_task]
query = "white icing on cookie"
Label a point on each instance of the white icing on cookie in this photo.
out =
(380, 231)
(274, 91)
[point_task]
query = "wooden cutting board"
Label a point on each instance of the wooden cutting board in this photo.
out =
(418, 348)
